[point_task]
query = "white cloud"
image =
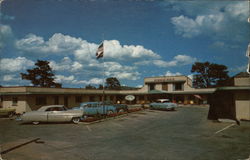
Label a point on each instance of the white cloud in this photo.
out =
(114, 69)
(126, 75)
(9, 77)
(15, 64)
(121, 61)
(188, 27)
(81, 49)
(168, 73)
(76, 66)
(191, 76)
(238, 10)
(5, 34)
(219, 21)
(113, 49)
(178, 60)
(139, 86)
(66, 64)
(184, 59)
(64, 79)
(57, 44)
(93, 81)
(72, 80)
(223, 45)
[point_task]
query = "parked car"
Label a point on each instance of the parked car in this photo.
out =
(163, 104)
(94, 108)
(52, 113)
(7, 112)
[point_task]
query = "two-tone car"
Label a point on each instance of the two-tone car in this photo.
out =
(106, 108)
(163, 104)
(7, 112)
(52, 113)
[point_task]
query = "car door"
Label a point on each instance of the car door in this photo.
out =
(57, 114)
(89, 109)
(40, 116)
(100, 109)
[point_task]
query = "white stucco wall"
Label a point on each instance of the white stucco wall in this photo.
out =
(21, 105)
(242, 109)
(244, 81)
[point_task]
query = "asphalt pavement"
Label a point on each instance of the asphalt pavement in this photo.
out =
(185, 134)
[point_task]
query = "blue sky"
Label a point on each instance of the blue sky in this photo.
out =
(141, 38)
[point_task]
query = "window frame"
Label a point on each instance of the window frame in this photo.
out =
(41, 100)
(14, 101)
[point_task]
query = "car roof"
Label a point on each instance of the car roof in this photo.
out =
(43, 108)
(89, 103)
(162, 99)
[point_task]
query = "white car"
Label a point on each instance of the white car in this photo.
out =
(52, 113)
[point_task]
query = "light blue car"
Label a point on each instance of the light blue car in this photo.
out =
(163, 104)
(95, 108)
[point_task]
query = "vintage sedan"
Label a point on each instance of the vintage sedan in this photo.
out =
(7, 112)
(94, 108)
(163, 104)
(52, 113)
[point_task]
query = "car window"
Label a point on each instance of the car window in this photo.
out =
(49, 109)
(59, 109)
(55, 109)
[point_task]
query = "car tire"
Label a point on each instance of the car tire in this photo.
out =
(121, 111)
(36, 122)
(11, 114)
(110, 112)
(76, 120)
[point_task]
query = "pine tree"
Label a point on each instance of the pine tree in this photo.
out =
(42, 75)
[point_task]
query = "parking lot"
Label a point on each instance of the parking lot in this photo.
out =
(144, 135)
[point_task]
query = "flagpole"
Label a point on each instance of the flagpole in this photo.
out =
(103, 77)
(100, 54)
(103, 80)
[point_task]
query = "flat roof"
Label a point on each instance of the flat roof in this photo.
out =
(81, 91)
(234, 88)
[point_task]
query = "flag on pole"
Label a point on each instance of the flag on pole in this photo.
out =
(100, 51)
(248, 55)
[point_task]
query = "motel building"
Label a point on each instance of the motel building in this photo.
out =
(176, 88)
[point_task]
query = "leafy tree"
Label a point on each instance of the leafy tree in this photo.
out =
(209, 74)
(113, 83)
(90, 87)
(42, 75)
(100, 86)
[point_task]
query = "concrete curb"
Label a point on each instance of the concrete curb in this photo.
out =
(109, 118)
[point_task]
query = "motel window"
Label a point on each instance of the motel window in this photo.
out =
(151, 86)
(14, 101)
(91, 98)
(41, 101)
(56, 100)
(141, 98)
(164, 86)
(111, 98)
(178, 86)
(66, 101)
(78, 99)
